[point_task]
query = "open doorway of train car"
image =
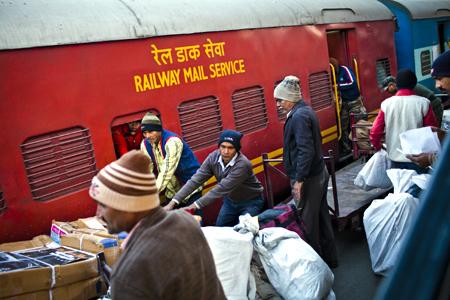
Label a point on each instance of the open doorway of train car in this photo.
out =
(126, 131)
(444, 36)
(342, 46)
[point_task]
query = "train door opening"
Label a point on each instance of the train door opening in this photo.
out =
(342, 47)
(444, 36)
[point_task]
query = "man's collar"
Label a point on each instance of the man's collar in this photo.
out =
(230, 163)
(405, 92)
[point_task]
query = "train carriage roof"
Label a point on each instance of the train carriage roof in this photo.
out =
(424, 9)
(37, 23)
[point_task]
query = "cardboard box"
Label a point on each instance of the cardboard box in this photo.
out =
(82, 290)
(44, 268)
(38, 241)
(94, 244)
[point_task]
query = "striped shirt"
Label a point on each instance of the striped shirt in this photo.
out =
(167, 165)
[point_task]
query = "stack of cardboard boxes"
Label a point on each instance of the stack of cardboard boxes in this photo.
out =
(49, 273)
(64, 266)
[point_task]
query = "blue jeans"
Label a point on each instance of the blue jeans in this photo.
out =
(230, 210)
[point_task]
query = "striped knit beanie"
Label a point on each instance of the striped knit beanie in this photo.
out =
(126, 184)
(288, 89)
(150, 122)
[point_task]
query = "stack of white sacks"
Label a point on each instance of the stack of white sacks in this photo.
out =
(294, 269)
(387, 221)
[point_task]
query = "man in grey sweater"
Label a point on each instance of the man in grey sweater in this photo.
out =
(236, 183)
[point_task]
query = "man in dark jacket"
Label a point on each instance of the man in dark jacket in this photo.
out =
(166, 255)
(236, 183)
(305, 167)
(350, 100)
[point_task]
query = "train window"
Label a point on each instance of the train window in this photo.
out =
(383, 69)
(320, 90)
(249, 109)
(425, 62)
(59, 163)
(200, 121)
(126, 131)
(281, 115)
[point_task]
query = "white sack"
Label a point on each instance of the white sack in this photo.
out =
(294, 269)
(232, 252)
(373, 174)
(419, 140)
(386, 223)
(401, 179)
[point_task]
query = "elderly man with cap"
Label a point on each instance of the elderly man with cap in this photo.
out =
(166, 255)
(304, 164)
(399, 113)
(236, 183)
(389, 84)
(172, 161)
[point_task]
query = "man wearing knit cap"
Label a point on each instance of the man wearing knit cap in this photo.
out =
(441, 71)
(399, 113)
(389, 84)
(166, 255)
(172, 161)
(236, 183)
(304, 164)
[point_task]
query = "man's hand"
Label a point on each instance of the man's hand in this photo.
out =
(420, 159)
(170, 205)
(440, 133)
(297, 191)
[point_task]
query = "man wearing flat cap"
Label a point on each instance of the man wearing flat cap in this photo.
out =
(304, 164)
(166, 255)
(236, 183)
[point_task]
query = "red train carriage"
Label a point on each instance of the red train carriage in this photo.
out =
(72, 70)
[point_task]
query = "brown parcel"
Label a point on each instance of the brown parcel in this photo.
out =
(37, 241)
(31, 280)
(82, 290)
(94, 244)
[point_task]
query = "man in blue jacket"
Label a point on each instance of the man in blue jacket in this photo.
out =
(350, 99)
(172, 161)
(304, 164)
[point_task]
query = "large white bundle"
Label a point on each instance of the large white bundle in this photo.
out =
(232, 252)
(373, 174)
(294, 269)
(388, 220)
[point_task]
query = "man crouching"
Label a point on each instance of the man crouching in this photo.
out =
(165, 254)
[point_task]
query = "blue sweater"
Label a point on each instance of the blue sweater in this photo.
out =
(348, 86)
(302, 147)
